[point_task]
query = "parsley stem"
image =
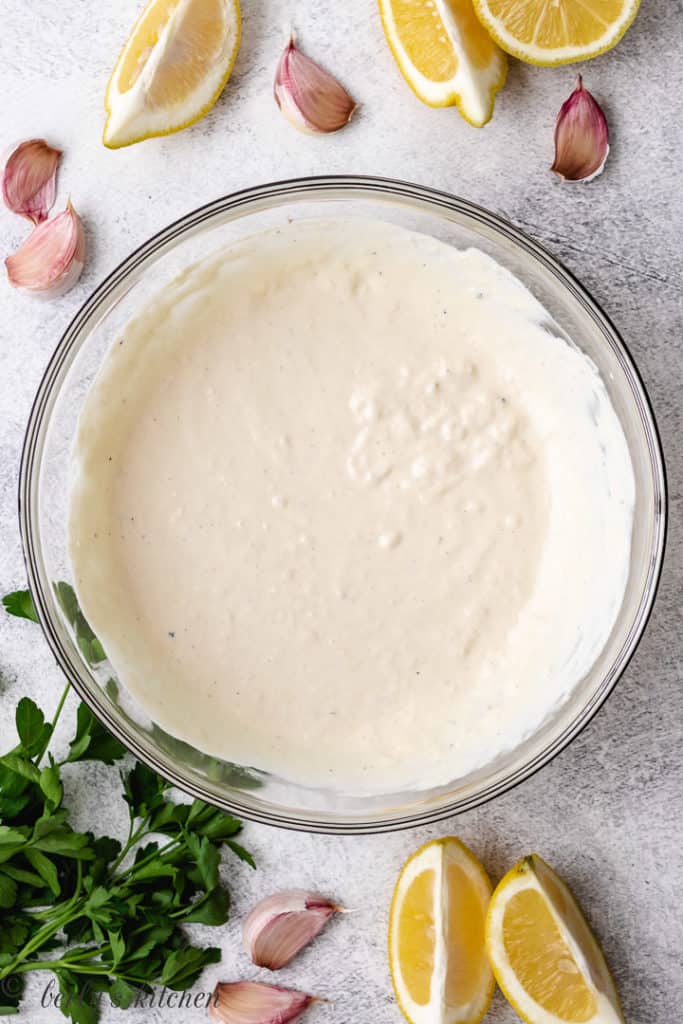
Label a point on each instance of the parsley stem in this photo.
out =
(49, 929)
(41, 936)
(150, 856)
(49, 912)
(102, 919)
(64, 963)
(133, 838)
(83, 954)
(60, 705)
(55, 718)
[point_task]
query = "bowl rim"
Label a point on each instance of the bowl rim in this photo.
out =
(273, 193)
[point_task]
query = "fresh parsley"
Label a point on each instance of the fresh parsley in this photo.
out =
(104, 916)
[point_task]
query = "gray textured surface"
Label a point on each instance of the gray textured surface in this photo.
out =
(607, 812)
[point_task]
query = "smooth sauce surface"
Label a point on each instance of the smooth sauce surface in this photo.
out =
(345, 510)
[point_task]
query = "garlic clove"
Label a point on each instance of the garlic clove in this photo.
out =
(29, 179)
(251, 1002)
(281, 925)
(581, 137)
(51, 259)
(310, 97)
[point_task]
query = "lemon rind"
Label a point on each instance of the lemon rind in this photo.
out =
(184, 122)
(520, 877)
(437, 847)
(543, 57)
(451, 96)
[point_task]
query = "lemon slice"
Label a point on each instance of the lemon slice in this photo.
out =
(172, 69)
(556, 31)
(436, 936)
(544, 956)
(445, 55)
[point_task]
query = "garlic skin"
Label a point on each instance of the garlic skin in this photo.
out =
(250, 1002)
(310, 98)
(281, 925)
(51, 259)
(29, 178)
(581, 137)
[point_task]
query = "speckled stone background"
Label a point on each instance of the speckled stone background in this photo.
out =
(607, 812)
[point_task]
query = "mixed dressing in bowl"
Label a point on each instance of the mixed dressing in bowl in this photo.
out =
(347, 507)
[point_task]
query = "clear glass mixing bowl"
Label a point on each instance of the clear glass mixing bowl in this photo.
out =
(43, 494)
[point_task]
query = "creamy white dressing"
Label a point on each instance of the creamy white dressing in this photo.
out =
(345, 508)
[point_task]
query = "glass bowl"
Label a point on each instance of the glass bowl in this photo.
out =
(43, 493)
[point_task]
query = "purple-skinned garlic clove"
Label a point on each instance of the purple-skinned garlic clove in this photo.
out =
(51, 259)
(281, 925)
(310, 97)
(251, 1002)
(29, 179)
(581, 137)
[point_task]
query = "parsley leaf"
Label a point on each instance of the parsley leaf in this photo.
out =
(8, 890)
(183, 966)
(105, 916)
(32, 729)
(77, 1002)
(45, 868)
(241, 853)
(143, 790)
(21, 766)
(89, 645)
(92, 741)
(20, 603)
(51, 785)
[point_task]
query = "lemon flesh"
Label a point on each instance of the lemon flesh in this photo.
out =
(436, 936)
(445, 55)
(172, 69)
(556, 31)
(544, 956)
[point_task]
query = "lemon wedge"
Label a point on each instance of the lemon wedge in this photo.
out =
(556, 31)
(172, 69)
(436, 936)
(445, 55)
(544, 956)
